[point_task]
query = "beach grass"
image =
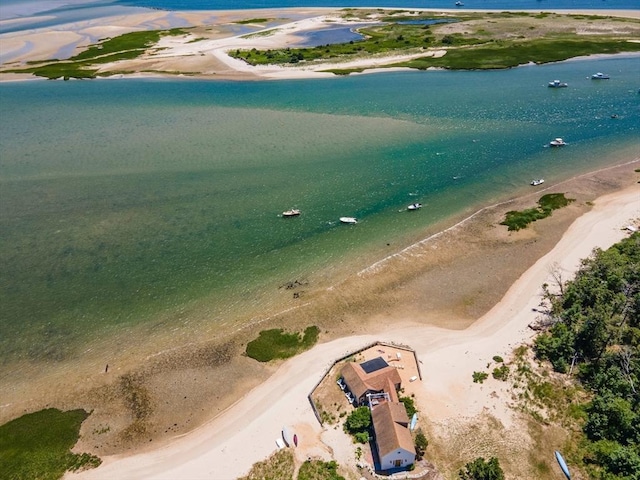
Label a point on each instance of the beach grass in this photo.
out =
(276, 343)
(517, 220)
(319, 470)
(279, 466)
(37, 445)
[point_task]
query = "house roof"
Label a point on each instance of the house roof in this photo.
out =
(359, 381)
(390, 424)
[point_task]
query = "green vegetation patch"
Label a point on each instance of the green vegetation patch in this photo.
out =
(516, 220)
(409, 405)
(481, 469)
(253, 20)
(123, 47)
(319, 470)
(498, 54)
(358, 424)
(489, 41)
(595, 335)
(279, 466)
(276, 343)
(479, 377)
(37, 445)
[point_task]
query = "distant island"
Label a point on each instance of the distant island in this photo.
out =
(273, 46)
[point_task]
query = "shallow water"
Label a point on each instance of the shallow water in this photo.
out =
(155, 205)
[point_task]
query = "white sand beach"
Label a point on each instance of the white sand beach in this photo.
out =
(226, 447)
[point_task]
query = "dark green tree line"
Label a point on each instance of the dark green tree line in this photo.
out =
(595, 333)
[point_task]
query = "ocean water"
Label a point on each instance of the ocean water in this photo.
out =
(154, 205)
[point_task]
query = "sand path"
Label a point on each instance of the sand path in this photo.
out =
(226, 447)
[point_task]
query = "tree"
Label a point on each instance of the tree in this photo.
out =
(480, 469)
(358, 421)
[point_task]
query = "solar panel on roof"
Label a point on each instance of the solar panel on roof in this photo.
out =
(373, 365)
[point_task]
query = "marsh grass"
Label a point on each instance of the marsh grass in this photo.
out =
(275, 343)
(37, 445)
(123, 47)
(516, 220)
(253, 20)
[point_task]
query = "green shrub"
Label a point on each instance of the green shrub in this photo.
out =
(358, 421)
(481, 469)
(479, 377)
(421, 444)
(501, 372)
(409, 405)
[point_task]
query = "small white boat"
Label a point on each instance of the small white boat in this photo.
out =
(349, 220)
(537, 182)
(557, 84)
(600, 76)
(557, 142)
(294, 212)
(414, 206)
(459, 4)
(279, 443)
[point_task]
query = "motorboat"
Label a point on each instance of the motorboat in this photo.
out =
(349, 220)
(459, 4)
(537, 182)
(557, 84)
(294, 212)
(414, 206)
(557, 142)
(600, 76)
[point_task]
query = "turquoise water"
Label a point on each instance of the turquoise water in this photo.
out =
(157, 203)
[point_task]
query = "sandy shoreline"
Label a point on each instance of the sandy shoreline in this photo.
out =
(203, 53)
(226, 447)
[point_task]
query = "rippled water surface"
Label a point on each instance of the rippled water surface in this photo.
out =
(126, 202)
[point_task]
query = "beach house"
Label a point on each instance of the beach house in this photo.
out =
(375, 383)
(392, 436)
(373, 376)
